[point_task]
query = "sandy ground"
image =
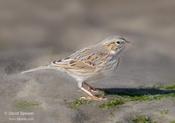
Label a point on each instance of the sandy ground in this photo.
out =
(33, 33)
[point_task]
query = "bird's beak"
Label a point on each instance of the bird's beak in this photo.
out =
(125, 40)
(128, 42)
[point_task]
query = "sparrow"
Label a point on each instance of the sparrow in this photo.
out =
(90, 63)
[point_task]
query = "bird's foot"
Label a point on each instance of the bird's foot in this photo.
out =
(98, 93)
(94, 90)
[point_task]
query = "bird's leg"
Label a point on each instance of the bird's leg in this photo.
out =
(89, 92)
(95, 91)
(90, 88)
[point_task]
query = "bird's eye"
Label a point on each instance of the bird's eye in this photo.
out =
(118, 42)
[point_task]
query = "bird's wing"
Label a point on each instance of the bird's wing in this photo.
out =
(87, 59)
(91, 55)
(74, 65)
(80, 54)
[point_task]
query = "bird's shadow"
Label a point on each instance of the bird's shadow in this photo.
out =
(136, 91)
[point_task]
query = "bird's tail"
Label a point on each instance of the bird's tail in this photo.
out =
(38, 68)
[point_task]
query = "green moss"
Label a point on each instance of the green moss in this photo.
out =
(172, 121)
(168, 87)
(26, 105)
(164, 112)
(146, 97)
(142, 119)
(112, 103)
(150, 97)
(78, 102)
(120, 100)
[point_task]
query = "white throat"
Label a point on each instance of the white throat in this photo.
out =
(112, 52)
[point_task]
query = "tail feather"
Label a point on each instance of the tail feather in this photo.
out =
(38, 68)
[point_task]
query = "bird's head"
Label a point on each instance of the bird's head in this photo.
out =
(114, 44)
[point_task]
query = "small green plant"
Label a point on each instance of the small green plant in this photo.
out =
(26, 105)
(142, 119)
(78, 102)
(112, 103)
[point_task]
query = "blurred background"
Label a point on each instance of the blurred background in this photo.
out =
(35, 32)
